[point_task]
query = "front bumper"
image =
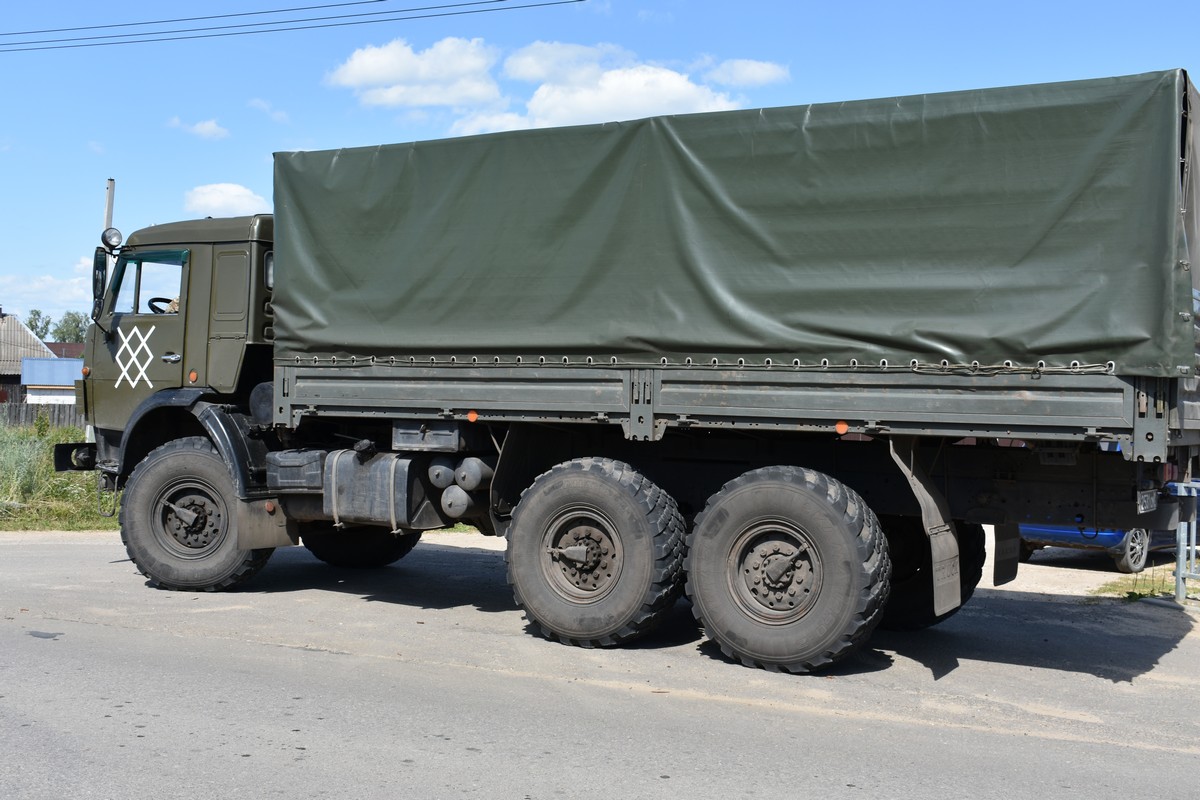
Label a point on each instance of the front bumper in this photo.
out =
(75, 457)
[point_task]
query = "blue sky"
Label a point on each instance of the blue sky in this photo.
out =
(187, 128)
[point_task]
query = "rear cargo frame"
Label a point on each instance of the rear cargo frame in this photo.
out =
(1143, 415)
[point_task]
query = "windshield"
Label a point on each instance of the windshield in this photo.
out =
(148, 282)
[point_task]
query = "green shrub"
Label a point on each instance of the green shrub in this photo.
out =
(35, 497)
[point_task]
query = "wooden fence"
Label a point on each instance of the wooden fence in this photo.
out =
(59, 416)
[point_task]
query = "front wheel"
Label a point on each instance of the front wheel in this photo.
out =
(178, 520)
(787, 569)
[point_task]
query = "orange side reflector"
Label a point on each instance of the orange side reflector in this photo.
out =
(841, 427)
(472, 416)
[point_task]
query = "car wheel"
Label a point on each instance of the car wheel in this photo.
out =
(1135, 551)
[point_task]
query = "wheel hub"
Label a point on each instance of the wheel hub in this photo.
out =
(583, 560)
(774, 574)
(193, 522)
(583, 557)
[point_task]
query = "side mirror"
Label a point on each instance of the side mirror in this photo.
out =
(99, 279)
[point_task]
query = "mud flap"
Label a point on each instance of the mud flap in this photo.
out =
(935, 516)
(262, 523)
(1008, 553)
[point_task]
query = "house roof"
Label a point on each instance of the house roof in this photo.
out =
(66, 349)
(17, 342)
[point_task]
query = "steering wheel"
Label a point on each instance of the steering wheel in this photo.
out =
(158, 304)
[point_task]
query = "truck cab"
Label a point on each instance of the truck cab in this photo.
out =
(184, 315)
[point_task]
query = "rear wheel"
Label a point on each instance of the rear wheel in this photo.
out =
(1135, 551)
(178, 520)
(595, 553)
(787, 569)
(357, 548)
(911, 605)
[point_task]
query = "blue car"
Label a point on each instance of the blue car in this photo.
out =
(1129, 549)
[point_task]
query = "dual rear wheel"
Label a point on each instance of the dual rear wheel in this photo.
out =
(786, 568)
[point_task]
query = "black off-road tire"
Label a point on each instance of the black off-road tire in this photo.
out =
(911, 605)
(357, 548)
(179, 521)
(787, 569)
(595, 553)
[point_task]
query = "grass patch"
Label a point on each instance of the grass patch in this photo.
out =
(35, 497)
(1152, 582)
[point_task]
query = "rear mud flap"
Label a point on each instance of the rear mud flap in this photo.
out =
(935, 516)
(1007, 553)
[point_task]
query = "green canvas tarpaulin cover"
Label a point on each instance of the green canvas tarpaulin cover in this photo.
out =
(1035, 223)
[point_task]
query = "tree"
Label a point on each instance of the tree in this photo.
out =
(38, 322)
(71, 327)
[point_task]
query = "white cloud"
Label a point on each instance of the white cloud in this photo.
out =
(463, 92)
(746, 72)
(565, 63)
(264, 106)
(53, 294)
(452, 72)
(571, 83)
(224, 200)
(580, 84)
(628, 93)
(208, 129)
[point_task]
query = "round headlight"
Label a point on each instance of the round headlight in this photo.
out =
(111, 238)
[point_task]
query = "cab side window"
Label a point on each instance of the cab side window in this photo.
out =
(149, 283)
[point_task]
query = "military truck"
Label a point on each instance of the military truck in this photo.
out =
(787, 361)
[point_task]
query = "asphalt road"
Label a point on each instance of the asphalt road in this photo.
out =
(421, 681)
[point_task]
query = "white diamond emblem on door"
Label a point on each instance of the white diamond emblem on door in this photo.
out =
(134, 356)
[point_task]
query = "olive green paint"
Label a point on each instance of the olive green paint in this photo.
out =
(223, 306)
(1023, 224)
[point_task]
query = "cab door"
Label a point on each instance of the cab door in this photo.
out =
(137, 343)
